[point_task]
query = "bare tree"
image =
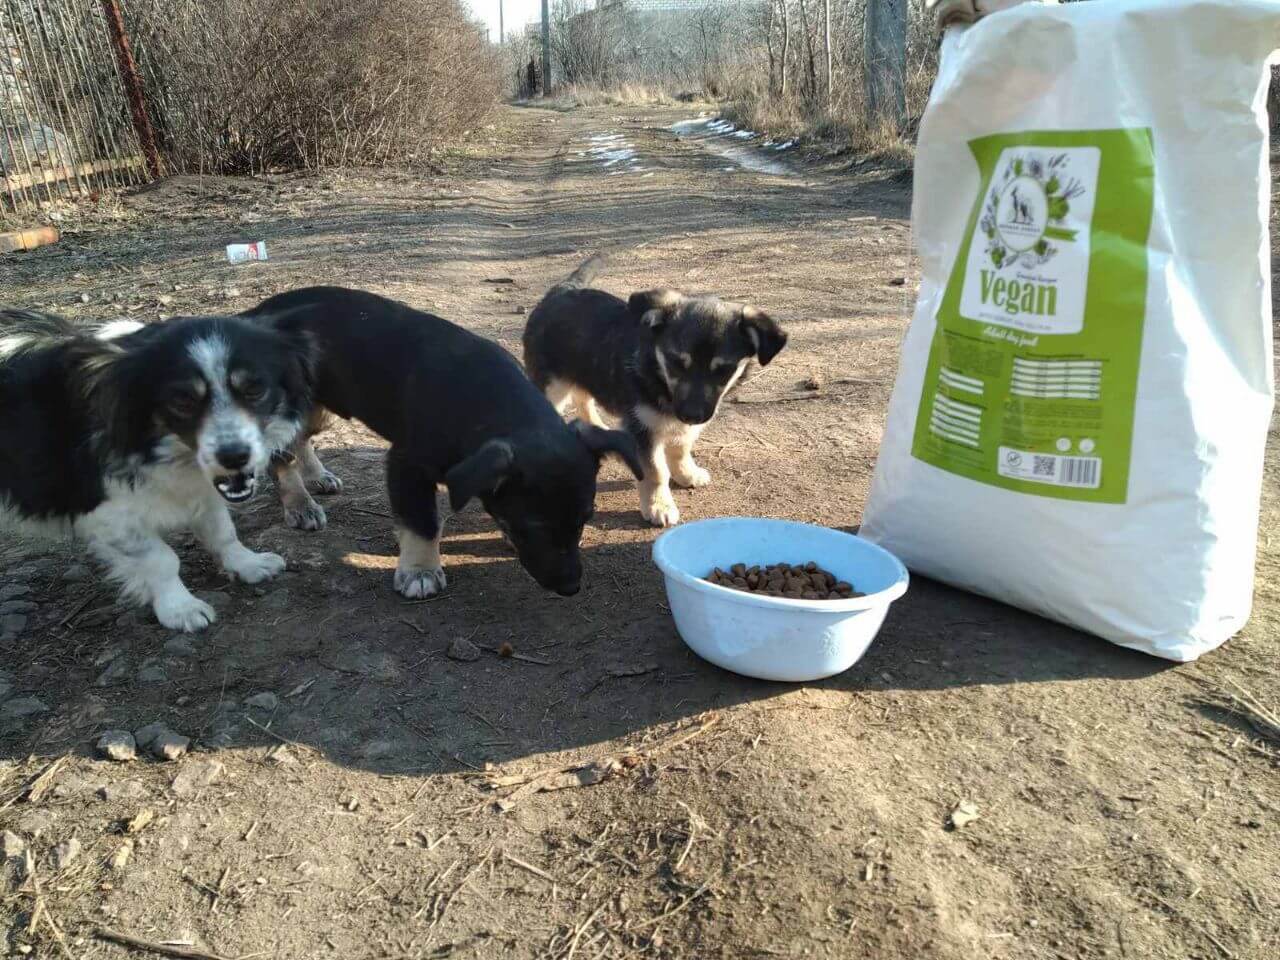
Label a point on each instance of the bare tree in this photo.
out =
(786, 43)
(885, 37)
(826, 23)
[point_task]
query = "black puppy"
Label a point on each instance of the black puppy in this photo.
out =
(457, 410)
(660, 363)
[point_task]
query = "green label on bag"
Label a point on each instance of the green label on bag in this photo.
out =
(1033, 369)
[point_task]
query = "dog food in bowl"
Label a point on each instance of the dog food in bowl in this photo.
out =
(800, 581)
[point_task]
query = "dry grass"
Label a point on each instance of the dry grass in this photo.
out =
(785, 119)
(625, 95)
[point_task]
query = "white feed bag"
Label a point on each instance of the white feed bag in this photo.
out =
(1079, 418)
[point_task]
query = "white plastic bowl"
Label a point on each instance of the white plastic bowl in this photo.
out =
(775, 638)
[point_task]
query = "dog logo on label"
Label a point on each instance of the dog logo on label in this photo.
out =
(1026, 209)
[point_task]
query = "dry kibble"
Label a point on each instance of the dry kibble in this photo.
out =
(806, 581)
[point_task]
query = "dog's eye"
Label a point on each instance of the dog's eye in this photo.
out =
(184, 403)
(252, 390)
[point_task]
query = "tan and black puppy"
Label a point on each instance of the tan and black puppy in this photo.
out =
(660, 363)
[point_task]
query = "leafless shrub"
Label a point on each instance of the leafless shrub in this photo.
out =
(241, 86)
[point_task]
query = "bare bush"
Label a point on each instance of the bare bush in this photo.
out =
(241, 86)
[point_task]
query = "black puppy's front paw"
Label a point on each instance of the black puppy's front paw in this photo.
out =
(418, 583)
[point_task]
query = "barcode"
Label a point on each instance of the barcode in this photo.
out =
(1078, 471)
(1048, 468)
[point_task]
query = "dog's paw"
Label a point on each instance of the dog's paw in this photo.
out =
(417, 583)
(249, 567)
(309, 516)
(692, 476)
(179, 610)
(325, 485)
(660, 510)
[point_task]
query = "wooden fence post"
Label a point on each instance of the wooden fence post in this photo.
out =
(132, 85)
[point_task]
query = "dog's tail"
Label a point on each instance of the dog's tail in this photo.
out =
(23, 330)
(589, 270)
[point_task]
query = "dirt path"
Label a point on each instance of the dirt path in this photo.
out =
(345, 814)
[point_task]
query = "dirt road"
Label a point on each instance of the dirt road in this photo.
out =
(345, 814)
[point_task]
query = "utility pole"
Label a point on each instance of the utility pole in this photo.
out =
(502, 32)
(546, 48)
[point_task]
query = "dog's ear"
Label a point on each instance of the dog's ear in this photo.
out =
(654, 307)
(304, 358)
(767, 338)
(103, 372)
(482, 472)
(600, 442)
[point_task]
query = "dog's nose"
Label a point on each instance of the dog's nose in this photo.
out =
(233, 456)
(568, 590)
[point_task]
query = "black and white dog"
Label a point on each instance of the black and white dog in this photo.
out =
(121, 437)
(457, 410)
(660, 363)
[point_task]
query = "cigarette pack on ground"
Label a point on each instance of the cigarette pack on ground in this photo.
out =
(1080, 413)
(244, 252)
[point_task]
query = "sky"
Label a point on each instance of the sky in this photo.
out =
(516, 13)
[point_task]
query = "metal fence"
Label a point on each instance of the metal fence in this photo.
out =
(66, 127)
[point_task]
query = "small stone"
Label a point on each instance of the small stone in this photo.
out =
(898, 282)
(75, 573)
(118, 745)
(144, 737)
(22, 707)
(12, 846)
(964, 814)
(164, 300)
(811, 383)
(281, 756)
(152, 673)
(195, 776)
(65, 853)
(521, 310)
(12, 591)
(114, 674)
(179, 647)
(231, 292)
(84, 298)
(464, 650)
(377, 749)
(106, 656)
(263, 701)
(170, 746)
(120, 792)
(120, 859)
